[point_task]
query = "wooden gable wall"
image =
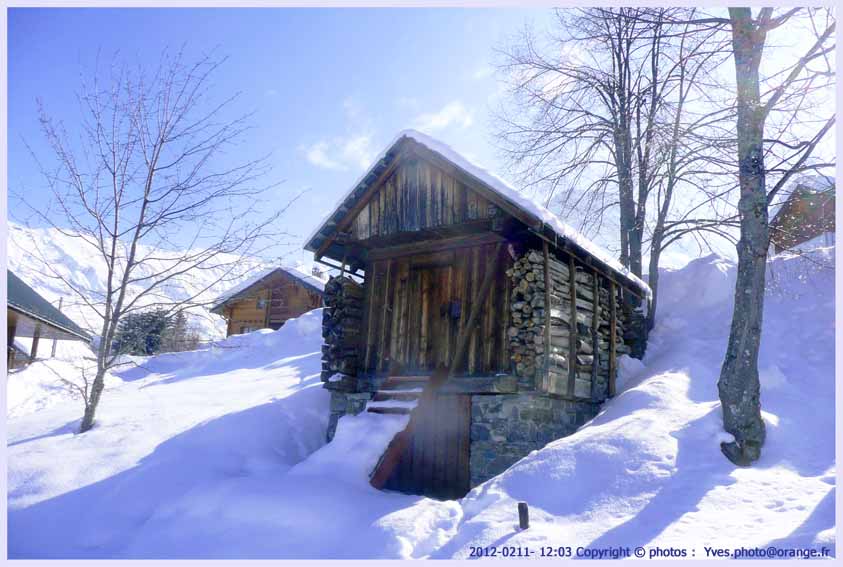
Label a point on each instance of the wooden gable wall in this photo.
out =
(417, 196)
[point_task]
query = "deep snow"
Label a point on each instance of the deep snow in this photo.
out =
(218, 453)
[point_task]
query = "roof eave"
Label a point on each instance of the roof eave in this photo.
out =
(22, 310)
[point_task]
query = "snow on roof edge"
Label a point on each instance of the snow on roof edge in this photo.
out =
(505, 190)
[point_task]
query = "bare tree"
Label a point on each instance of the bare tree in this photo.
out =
(603, 116)
(149, 187)
(739, 385)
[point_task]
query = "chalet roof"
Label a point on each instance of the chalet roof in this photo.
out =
(809, 188)
(308, 280)
(25, 300)
(508, 197)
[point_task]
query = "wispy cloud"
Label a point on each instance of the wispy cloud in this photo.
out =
(341, 153)
(454, 113)
(482, 72)
(352, 150)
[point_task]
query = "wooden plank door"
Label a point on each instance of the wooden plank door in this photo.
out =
(431, 320)
(436, 460)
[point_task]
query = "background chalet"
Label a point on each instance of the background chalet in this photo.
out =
(806, 219)
(467, 301)
(269, 298)
(30, 315)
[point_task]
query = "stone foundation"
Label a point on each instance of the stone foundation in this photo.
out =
(505, 428)
(343, 403)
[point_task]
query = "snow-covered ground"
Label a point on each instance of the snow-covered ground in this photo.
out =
(219, 452)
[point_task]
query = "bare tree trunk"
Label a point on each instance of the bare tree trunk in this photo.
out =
(653, 280)
(93, 401)
(739, 386)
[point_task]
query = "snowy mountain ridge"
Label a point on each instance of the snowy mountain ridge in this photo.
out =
(79, 264)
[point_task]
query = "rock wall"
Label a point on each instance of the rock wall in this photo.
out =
(345, 403)
(505, 428)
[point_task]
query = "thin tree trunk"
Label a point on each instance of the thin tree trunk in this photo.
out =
(653, 280)
(739, 386)
(93, 400)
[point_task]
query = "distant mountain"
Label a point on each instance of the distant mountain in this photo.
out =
(79, 264)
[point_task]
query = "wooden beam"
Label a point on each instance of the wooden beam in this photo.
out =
(435, 245)
(573, 339)
(568, 249)
(33, 352)
(595, 335)
(476, 307)
(506, 384)
(545, 386)
(11, 329)
(612, 340)
(55, 340)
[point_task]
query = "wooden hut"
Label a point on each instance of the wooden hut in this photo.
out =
(29, 315)
(806, 218)
(269, 298)
(492, 323)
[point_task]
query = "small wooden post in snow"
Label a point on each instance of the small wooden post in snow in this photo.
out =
(523, 515)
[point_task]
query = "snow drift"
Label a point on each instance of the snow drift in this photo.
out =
(218, 453)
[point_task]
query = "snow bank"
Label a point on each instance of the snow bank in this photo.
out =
(179, 440)
(219, 454)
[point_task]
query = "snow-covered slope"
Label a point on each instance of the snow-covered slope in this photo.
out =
(79, 263)
(218, 453)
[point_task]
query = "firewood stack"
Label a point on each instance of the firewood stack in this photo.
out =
(527, 316)
(341, 323)
(527, 331)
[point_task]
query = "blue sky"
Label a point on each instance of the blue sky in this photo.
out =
(330, 87)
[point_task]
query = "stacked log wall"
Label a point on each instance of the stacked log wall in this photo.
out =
(540, 355)
(341, 327)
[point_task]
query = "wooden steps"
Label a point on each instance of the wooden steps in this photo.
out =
(398, 395)
(401, 395)
(389, 410)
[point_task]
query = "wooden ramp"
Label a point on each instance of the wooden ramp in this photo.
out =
(430, 456)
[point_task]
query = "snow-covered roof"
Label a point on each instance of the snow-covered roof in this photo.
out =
(493, 182)
(23, 299)
(803, 185)
(308, 280)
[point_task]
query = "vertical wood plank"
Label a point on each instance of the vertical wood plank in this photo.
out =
(573, 338)
(503, 340)
(403, 302)
(612, 338)
(472, 337)
(545, 385)
(424, 319)
(449, 328)
(595, 335)
(369, 289)
(412, 315)
(386, 316)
